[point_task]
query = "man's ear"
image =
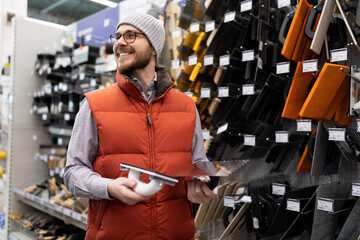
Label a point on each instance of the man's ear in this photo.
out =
(153, 52)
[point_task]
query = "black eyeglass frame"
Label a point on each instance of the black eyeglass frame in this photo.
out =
(113, 36)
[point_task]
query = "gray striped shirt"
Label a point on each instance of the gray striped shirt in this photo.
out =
(79, 176)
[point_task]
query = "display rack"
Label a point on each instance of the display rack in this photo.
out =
(25, 133)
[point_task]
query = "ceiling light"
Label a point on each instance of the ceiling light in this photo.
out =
(105, 3)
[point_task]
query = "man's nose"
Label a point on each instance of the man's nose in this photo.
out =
(121, 41)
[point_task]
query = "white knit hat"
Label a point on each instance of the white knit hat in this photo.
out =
(153, 29)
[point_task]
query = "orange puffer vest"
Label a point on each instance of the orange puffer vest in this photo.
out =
(164, 145)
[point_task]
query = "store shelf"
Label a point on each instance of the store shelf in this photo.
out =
(65, 214)
(19, 236)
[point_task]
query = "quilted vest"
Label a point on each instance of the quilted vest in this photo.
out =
(162, 144)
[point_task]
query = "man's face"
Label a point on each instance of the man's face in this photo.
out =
(133, 56)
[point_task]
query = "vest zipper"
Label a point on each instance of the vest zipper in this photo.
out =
(153, 199)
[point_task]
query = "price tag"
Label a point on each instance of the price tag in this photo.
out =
(189, 94)
(83, 219)
(56, 88)
(248, 89)
(194, 27)
(82, 76)
(224, 60)
(223, 92)
(65, 87)
(260, 63)
(278, 189)
(248, 55)
(106, 22)
(310, 65)
(208, 60)
(356, 189)
(283, 3)
(281, 136)
(230, 16)
(60, 141)
(48, 70)
(256, 223)
(283, 67)
(175, 64)
(358, 125)
(66, 211)
(229, 201)
(67, 116)
(192, 60)
(176, 33)
(303, 125)
(325, 204)
(337, 134)
(246, 199)
(206, 134)
(249, 140)
(76, 216)
(44, 116)
(93, 82)
(337, 55)
(293, 205)
(205, 93)
(51, 173)
(209, 26)
(246, 6)
(222, 128)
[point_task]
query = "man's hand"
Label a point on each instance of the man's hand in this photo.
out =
(122, 189)
(199, 192)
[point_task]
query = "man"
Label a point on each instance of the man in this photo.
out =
(139, 120)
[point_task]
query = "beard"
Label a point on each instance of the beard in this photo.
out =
(140, 61)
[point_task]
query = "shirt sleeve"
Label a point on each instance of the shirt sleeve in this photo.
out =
(198, 150)
(79, 176)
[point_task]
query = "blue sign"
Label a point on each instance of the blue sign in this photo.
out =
(96, 28)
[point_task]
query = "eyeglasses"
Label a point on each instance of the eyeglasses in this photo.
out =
(129, 37)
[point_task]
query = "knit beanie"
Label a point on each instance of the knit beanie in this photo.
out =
(153, 29)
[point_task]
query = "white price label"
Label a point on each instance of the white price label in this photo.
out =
(65, 87)
(337, 134)
(283, 67)
(256, 223)
(303, 125)
(310, 65)
(194, 27)
(93, 82)
(83, 219)
(246, 199)
(51, 173)
(229, 201)
(249, 140)
(222, 128)
(209, 26)
(56, 88)
(76, 216)
(44, 116)
(189, 94)
(67, 212)
(325, 205)
(278, 189)
(356, 189)
(248, 55)
(60, 141)
(176, 33)
(192, 60)
(224, 60)
(208, 60)
(67, 116)
(283, 3)
(337, 55)
(230, 16)
(175, 64)
(205, 93)
(48, 70)
(282, 137)
(248, 89)
(106, 22)
(82, 76)
(223, 92)
(358, 125)
(246, 6)
(206, 134)
(293, 205)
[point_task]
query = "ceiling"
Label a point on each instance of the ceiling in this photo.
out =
(63, 11)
